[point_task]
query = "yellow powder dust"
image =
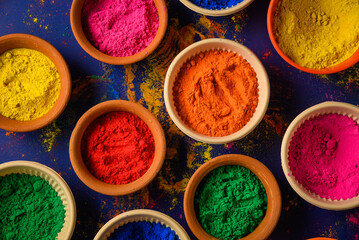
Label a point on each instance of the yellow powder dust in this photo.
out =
(49, 135)
(29, 84)
(317, 34)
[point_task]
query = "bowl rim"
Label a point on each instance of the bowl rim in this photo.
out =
(333, 69)
(76, 26)
(59, 180)
(141, 213)
(274, 205)
(321, 238)
(21, 40)
(92, 114)
(217, 13)
(263, 88)
(313, 111)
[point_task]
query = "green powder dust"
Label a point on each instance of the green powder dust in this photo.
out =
(29, 208)
(230, 202)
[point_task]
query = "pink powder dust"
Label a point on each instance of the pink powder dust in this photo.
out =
(120, 27)
(324, 156)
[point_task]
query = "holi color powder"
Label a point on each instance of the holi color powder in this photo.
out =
(216, 4)
(118, 147)
(323, 156)
(230, 202)
(215, 92)
(49, 135)
(120, 28)
(143, 230)
(317, 34)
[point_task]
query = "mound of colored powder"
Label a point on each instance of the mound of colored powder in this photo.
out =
(30, 84)
(118, 147)
(143, 230)
(317, 34)
(120, 27)
(230, 202)
(216, 92)
(29, 208)
(324, 156)
(216, 4)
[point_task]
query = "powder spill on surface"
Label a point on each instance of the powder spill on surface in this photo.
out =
(130, 69)
(230, 202)
(216, 92)
(49, 135)
(323, 156)
(30, 84)
(169, 181)
(317, 34)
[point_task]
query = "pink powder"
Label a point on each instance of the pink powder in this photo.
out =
(354, 219)
(324, 156)
(120, 27)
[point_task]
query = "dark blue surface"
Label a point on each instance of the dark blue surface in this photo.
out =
(292, 91)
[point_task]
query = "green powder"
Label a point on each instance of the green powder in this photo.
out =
(29, 208)
(230, 202)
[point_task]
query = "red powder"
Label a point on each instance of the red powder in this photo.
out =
(118, 147)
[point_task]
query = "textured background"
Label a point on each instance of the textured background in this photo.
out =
(292, 91)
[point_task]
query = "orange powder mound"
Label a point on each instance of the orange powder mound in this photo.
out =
(216, 92)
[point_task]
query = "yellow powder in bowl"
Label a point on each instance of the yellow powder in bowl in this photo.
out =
(29, 84)
(317, 34)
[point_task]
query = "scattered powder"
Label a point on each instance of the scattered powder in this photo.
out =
(120, 28)
(317, 34)
(324, 156)
(216, 92)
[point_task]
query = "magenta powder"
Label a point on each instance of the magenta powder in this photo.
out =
(324, 156)
(120, 27)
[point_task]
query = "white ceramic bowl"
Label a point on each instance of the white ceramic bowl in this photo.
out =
(217, 13)
(218, 43)
(316, 110)
(140, 215)
(58, 184)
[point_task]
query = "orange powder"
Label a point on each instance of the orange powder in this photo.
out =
(216, 92)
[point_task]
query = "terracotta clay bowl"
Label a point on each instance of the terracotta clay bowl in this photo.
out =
(217, 12)
(57, 183)
(269, 222)
(333, 69)
(141, 215)
(92, 114)
(76, 25)
(12, 41)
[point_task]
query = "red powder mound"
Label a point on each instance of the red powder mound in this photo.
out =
(118, 148)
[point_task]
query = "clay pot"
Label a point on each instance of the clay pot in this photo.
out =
(92, 114)
(11, 41)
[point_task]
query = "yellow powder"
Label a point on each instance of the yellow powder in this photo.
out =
(317, 34)
(29, 84)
